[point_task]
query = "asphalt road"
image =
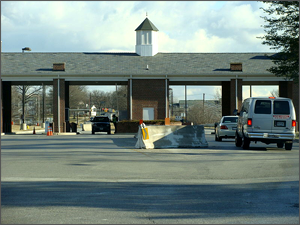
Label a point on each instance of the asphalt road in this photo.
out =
(103, 179)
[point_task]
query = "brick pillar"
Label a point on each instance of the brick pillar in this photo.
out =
(128, 100)
(1, 117)
(229, 96)
(67, 98)
(286, 89)
(148, 93)
(289, 89)
(55, 104)
(67, 106)
(296, 102)
(225, 98)
(6, 107)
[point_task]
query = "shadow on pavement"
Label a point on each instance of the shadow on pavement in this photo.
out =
(190, 200)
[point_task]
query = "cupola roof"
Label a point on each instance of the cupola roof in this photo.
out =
(146, 25)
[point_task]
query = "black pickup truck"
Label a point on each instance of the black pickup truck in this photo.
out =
(100, 124)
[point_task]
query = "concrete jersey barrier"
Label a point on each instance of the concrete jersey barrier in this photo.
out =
(172, 137)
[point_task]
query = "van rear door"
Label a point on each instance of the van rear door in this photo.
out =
(262, 118)
(281, 116)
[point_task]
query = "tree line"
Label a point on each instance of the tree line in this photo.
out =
(30, 104)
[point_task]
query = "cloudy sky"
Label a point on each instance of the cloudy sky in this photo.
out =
(184, 26)
(109, 26)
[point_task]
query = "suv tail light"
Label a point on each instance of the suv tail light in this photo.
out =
(249, 122)
(223, 127)
(293, 123)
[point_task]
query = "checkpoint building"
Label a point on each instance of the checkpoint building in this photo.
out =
(147, 73)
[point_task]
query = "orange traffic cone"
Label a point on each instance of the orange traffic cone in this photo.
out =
(33, 130)
(51, 132)
(48, 131)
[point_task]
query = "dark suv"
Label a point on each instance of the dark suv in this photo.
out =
(100, 124)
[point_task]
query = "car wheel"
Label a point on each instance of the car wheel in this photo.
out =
(238, 140)
(93, 132)
(220, 139)
(280, 145)
(245, 143)
(108, 132)
(288, 146)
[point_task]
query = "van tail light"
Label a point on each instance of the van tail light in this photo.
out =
(249, 122)
(223, 127)
(293, 123)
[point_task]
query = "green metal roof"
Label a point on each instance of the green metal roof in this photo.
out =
(146, 25)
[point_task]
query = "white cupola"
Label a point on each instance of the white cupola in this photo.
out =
(146, 39)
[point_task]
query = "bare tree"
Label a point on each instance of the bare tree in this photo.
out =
(208, 111)
(99, 99)
(199, 115)
(218, 94)
(119, 98)
(26, 92)
(275, 93)
(78, 96)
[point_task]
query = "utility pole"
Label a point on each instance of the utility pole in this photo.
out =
(90, 107)
(39, 107)
(203, 102)
(117, 98)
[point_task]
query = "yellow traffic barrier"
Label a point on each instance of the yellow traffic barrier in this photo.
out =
(145, 133)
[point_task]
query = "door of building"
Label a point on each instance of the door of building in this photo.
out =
(148, 113)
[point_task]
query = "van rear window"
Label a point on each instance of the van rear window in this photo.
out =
(262, 107)
(281, 107)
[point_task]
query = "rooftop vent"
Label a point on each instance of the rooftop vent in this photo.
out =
(59, 66)
(236, 67)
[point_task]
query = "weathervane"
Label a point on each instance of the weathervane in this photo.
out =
(146, 14)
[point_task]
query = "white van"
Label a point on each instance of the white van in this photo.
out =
(269, 120)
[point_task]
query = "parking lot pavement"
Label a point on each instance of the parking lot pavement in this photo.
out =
(103, 179)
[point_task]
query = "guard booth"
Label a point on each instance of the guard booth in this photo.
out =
(93, 111)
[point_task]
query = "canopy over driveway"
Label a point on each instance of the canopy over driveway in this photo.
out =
(148, 78)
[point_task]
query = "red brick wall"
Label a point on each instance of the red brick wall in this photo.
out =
(6, 106)
(148, 93)
(228, 96)
(236, 66)
(225, 98)
(296, 102)
(289, 89)
(286, 89)
(59, 66)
